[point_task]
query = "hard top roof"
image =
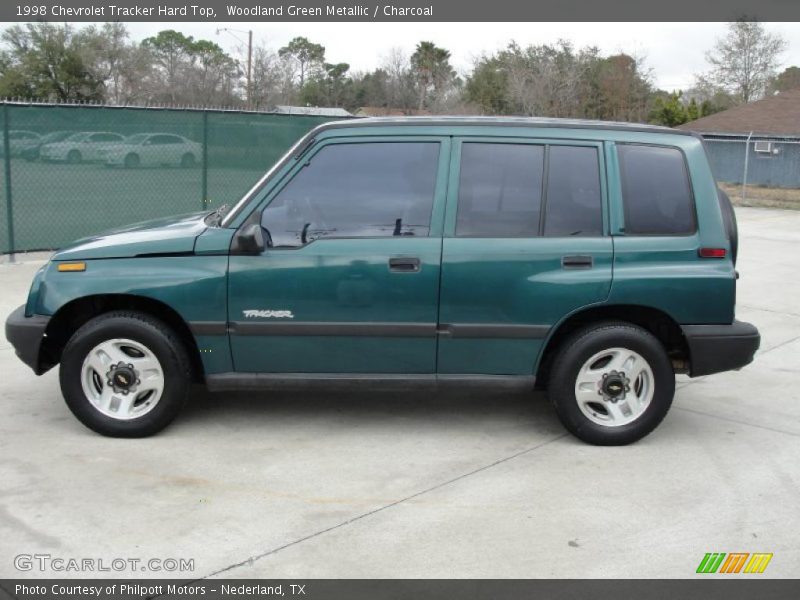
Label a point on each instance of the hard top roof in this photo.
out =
(532, 122)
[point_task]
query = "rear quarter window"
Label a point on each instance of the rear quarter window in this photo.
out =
(656, 190)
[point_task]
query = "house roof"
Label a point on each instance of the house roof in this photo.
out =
(775, 115)
(317, 111)
(388, 111)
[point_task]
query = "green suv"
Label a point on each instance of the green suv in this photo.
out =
(593, 259)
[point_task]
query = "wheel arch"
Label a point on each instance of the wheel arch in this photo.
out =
(72, 315)
(659, 323)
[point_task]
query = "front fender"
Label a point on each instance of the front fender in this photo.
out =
(195, 287)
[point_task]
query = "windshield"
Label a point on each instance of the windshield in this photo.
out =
(136, 139)
(77, 137)
(231, 213)
(56, 136)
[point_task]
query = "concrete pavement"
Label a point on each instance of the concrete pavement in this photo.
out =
(446, 485)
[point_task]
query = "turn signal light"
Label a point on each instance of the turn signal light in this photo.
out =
(77, 266)
(712, 252)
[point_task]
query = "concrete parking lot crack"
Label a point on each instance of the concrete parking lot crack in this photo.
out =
(781, 345)
(254, 558)
(769, 310)
(722, 418)
(686, 384)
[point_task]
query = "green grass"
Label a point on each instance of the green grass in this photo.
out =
(764, 197)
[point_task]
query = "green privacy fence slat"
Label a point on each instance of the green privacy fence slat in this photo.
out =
(74, 171)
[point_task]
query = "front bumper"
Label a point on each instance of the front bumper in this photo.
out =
(717, 348)
(26, 334)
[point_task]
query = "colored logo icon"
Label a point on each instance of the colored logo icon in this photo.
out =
(734, 562)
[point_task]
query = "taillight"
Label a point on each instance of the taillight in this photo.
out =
(712, 252)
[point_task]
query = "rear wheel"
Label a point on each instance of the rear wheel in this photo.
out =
(187, 160)
(125, 374)
(611, 383)
(132, 161)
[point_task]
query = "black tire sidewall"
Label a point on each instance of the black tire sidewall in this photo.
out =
(155, 337)
(582, 346)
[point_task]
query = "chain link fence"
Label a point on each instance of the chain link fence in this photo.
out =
(74, 170)
(756, 169)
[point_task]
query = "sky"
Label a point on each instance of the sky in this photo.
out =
(673, 51)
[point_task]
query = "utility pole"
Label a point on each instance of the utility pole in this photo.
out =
(249, 68)
(233, 32)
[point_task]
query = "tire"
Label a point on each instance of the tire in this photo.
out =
(729, 220)
(613, 349)
(187, 160)
(105, 348)
(74, 157)
(132, 161)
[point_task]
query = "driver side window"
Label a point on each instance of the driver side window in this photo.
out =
(375, 189)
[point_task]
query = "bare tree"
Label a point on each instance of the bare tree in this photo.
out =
(745, 60)
(400, 92)
(547, 80)
(273, 79)
(122, 65)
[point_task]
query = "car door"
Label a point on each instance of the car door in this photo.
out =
(526, 243)
(98, 142)
(156, 151)
(350, 281)
(166, 149)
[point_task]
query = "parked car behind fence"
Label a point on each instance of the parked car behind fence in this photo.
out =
(80, 147)
(19, 141)
(31, 151)
(153, 150)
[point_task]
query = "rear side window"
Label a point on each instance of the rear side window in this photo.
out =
(500, 190)
(656, 191)
(574, 205)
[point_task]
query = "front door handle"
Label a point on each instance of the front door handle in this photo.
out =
(404, 265)
(576, 261)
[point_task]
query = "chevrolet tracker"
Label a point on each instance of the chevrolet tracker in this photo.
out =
(595, 260)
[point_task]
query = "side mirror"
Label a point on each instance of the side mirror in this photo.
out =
(251, 239)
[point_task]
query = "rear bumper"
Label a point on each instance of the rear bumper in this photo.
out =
(717, 348)
(26, 334)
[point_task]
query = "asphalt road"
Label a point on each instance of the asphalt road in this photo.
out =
(444, 485)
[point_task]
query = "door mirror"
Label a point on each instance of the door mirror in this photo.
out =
(251, 239)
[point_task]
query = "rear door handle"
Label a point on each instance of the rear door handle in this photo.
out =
(404, 265)
(576, 261)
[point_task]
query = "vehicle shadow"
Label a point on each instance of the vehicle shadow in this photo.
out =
(469, 408)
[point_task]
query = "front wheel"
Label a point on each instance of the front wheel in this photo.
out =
(611, 383)
(125, 374)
